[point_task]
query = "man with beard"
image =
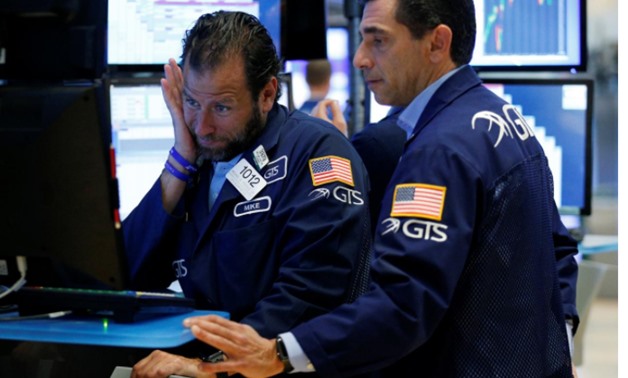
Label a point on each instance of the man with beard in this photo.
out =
(259, 212)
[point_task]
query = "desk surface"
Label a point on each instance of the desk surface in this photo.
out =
(161, 332)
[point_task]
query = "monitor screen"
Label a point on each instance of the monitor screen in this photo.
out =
(144, 34)
(340, 59)
(530, 35)
(303, 25)
(374, 110)
(142, 135)
(560, 111)
(52, 41)
(60, 197)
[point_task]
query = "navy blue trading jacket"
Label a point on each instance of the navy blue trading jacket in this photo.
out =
(473, 271)
(289, 254)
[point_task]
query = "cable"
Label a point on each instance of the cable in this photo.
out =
(21, 267)
(49, 315)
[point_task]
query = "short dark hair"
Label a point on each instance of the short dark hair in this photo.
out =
(421, 16)
(222, 35)
(318, 71)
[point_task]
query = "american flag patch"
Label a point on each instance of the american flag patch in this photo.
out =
(418, 200)
(329, 169)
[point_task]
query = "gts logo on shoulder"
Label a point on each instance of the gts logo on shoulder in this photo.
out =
(416, 229)
(511, 125)
(339, 193)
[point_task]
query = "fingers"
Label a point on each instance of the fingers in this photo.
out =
(172, 85)
(320, 109)
(162, 364)
(176, 70)
(337, 118)
(172, 91)
(219, 320)
(335, 109)
(219, 332)
(207, 335)
(173, 75)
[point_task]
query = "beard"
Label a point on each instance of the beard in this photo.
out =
(239, 142)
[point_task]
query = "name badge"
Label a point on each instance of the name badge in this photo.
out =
(258, 205)
(246, 179)
(259, 157)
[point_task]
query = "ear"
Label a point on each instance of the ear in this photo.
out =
(441, 43)
(267, 95)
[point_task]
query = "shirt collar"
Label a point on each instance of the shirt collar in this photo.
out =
(222, 167)
(410, 116)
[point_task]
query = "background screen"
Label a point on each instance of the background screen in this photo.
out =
(524, 34)
(147, 32)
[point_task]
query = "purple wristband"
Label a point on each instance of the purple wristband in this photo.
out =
(192, 168)
(173, 171)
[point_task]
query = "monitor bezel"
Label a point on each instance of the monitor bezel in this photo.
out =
(66, 223)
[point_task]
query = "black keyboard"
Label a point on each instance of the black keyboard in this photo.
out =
(124, 306)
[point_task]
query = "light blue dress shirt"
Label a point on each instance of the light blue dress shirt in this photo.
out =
(221, 168)
(411, 114)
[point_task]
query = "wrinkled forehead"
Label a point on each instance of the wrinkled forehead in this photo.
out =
(227, 75)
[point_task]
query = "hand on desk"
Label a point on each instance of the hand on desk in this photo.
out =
(247, 352)
(160, 364)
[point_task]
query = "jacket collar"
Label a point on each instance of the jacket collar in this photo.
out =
(461, 82)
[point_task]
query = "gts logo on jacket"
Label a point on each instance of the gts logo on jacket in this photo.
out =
(340, 193)
(511, 125)
(416, 229)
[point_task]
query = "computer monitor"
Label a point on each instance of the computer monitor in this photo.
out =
(59, 198)
(144, 34)
(340, 59)
(374, 110)
(548, 35)
(303, 25)
(52, 41)
(142, 135)
(560, 110)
